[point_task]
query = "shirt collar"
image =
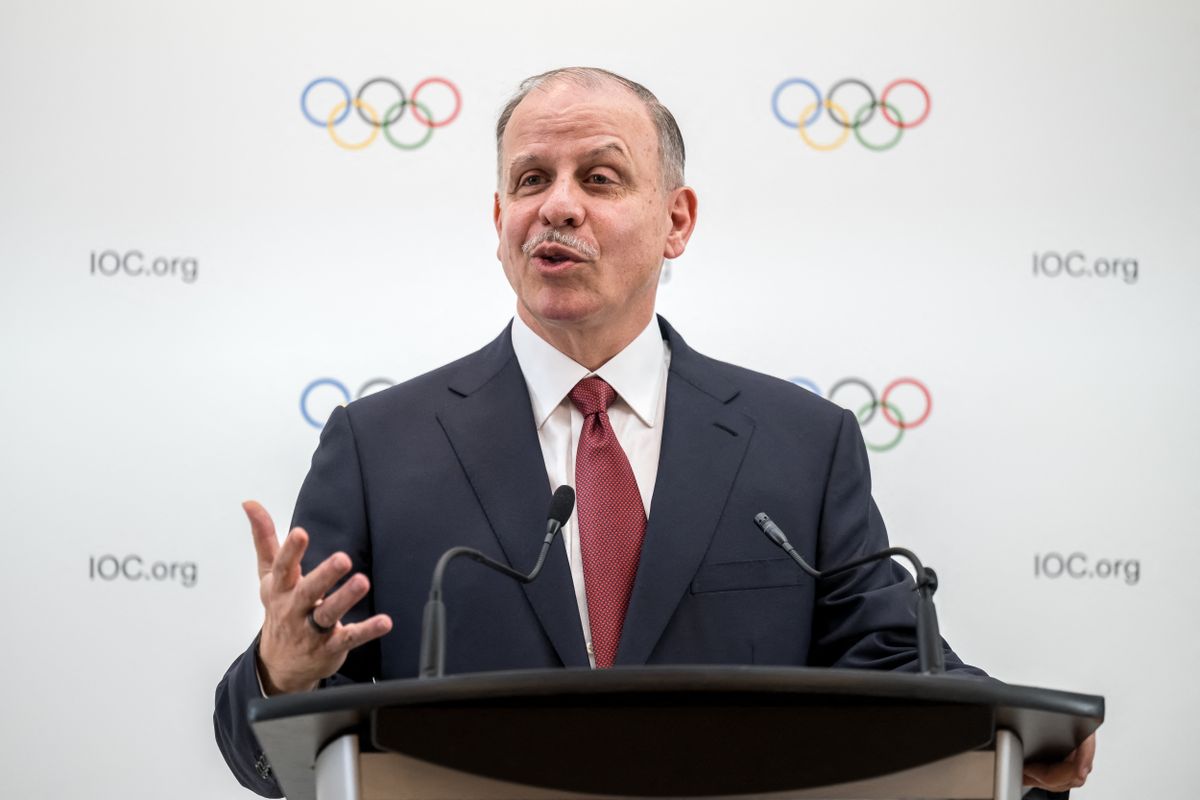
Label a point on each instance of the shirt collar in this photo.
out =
(636, 373)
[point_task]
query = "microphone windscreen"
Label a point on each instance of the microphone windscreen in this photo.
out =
(562, 504)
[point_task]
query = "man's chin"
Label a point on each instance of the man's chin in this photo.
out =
(561, 312)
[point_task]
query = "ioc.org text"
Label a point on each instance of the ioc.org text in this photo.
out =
(1075, 264)
(134, 264)
(135, 569)
(1078, 566)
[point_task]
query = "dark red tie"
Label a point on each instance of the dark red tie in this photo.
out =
(610, 515)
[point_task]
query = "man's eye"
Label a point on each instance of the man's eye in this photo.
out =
(599, 179)
(531, 180)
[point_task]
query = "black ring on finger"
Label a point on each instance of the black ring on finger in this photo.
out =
(316, 626)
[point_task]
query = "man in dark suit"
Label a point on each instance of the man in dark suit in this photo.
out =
(671, 454)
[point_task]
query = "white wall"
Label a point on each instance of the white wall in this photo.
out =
(141, 409)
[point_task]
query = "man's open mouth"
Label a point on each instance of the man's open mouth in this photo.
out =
(554, 254)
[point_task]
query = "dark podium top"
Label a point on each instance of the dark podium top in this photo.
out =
(672, 731)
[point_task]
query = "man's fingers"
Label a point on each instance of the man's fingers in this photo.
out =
(1082, 760)
(1040, 776)
(263, 531)
(334, 606)
(1070, 773)
(313, 586)
(1052, 786)
(287, 562)
(347, 637)
(1052, 782)
(1085, 755)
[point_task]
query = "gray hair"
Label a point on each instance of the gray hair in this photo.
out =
(670, 140)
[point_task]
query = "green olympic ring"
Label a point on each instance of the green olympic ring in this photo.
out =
(387, 132)
(878, 148)
(883, 448)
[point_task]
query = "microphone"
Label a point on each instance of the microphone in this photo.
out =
(433, 626)
(930, 657)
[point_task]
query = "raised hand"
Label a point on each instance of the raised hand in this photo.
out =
(303, 639)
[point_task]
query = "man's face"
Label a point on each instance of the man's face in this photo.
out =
(584, 162)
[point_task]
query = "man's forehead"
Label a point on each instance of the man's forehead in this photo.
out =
(595, 116)
(580, 122)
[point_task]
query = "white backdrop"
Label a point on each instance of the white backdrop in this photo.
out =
(141, 408)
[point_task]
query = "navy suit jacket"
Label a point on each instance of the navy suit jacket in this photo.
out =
(452, 458)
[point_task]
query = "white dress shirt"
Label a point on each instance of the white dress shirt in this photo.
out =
(638, 374)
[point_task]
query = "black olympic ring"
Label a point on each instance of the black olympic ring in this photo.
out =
(403, 104)
(848, 123)
(874, 405)
(371, 384)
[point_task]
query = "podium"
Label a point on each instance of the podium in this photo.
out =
(651, 732)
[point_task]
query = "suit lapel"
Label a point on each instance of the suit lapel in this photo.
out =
(489, 423)
(704, 441)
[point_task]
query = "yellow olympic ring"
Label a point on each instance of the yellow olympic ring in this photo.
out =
(365, 142)
(831, 107)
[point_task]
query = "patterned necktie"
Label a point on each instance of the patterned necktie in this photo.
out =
(610, 515)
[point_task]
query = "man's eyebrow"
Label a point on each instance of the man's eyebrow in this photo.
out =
(526, 159)
(611, 147)
(521, 161)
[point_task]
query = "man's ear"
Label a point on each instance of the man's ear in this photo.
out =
(499, 226)
(682, 211)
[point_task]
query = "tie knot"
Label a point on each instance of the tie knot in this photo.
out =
(592, 396)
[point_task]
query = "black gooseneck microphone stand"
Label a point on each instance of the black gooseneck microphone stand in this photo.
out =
(930, 656)
(433, 626)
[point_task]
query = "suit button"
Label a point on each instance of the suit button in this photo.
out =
(263, 767)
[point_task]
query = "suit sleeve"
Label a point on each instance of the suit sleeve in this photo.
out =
(865, 619)
(331, 508)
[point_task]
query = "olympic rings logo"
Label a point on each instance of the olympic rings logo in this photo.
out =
(385, 122)
(341, 391)
(850, 123)
(871, 406)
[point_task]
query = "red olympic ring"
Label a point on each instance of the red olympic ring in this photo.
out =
(900, 123)
(416, 110)
(899, 423)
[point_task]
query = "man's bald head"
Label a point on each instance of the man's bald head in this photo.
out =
(670, 140)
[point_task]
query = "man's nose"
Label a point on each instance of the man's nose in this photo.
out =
(563, 205)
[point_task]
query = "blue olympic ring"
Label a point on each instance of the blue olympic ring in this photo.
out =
(341, 387)
(793, 82)
(320, 123)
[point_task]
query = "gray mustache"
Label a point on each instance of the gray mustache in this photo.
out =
(565, 239)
